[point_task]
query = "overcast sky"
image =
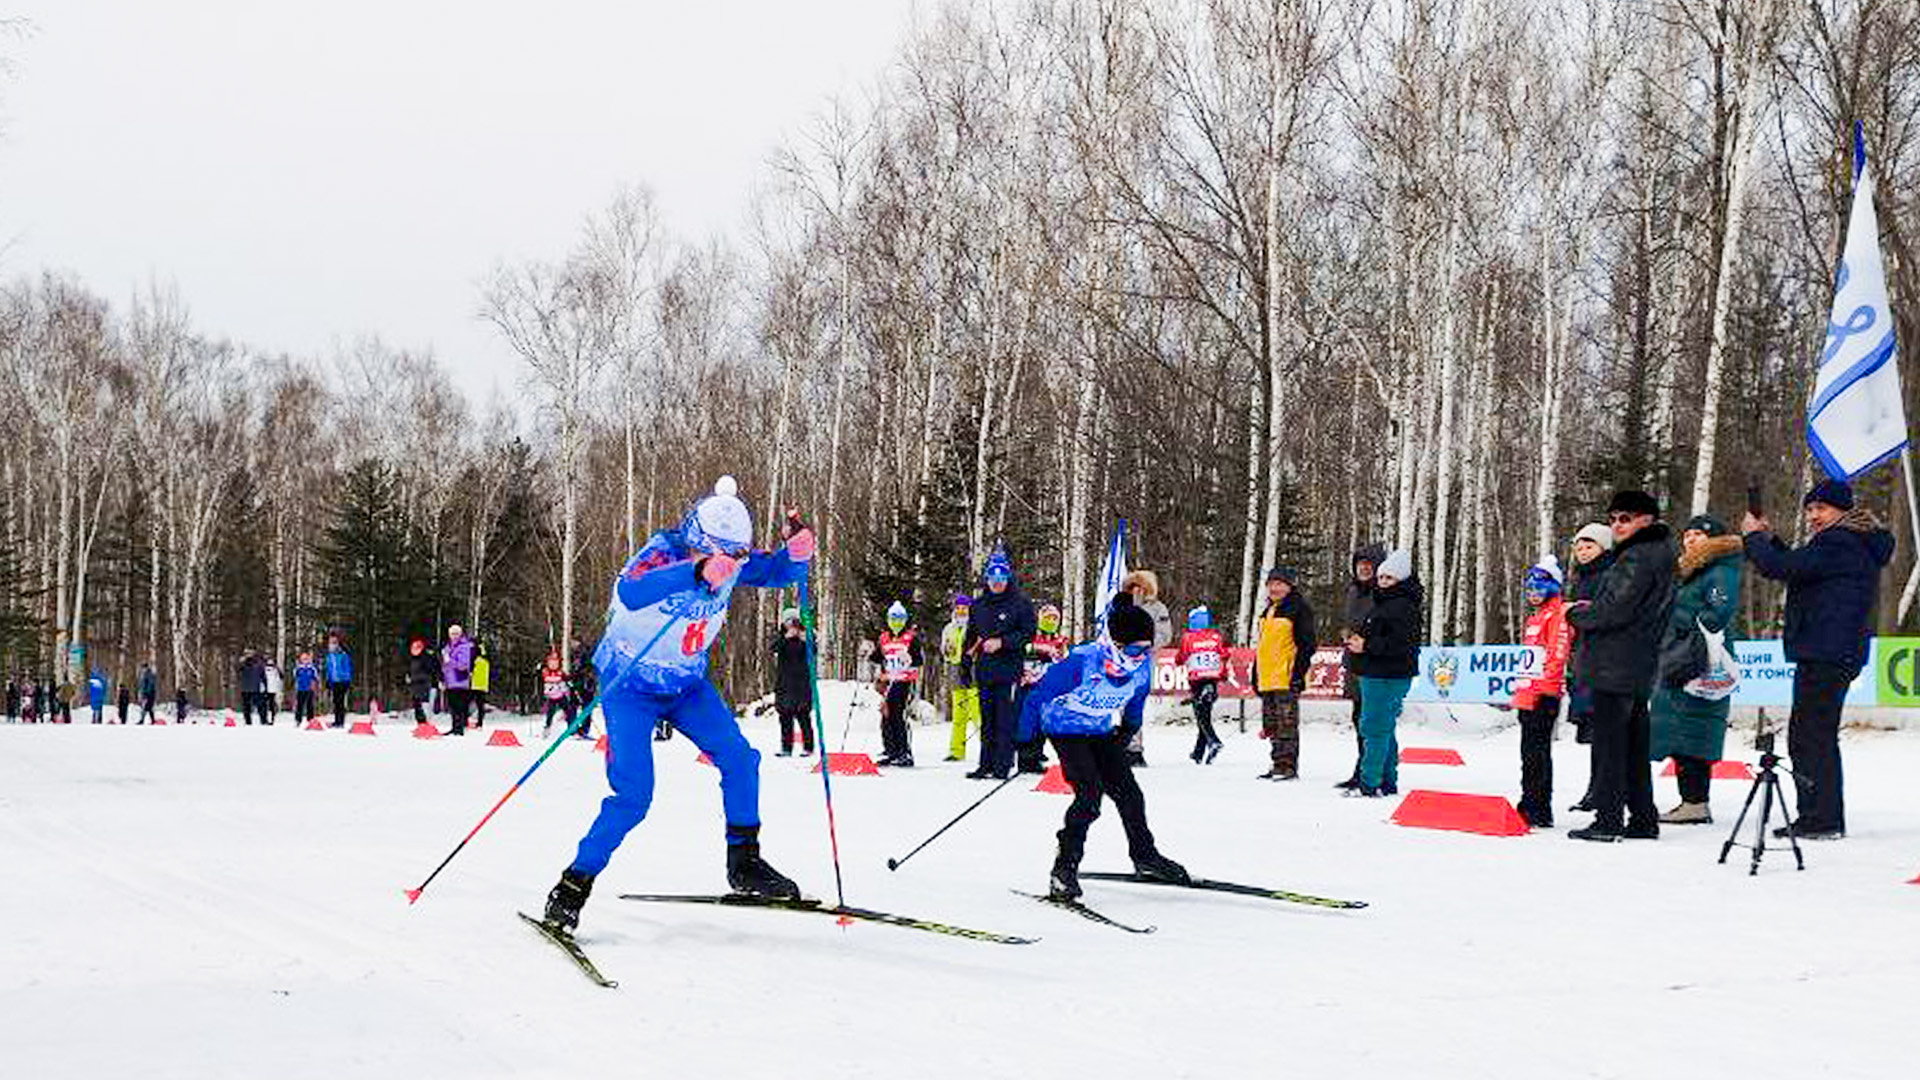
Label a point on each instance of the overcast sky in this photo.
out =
(306, 172)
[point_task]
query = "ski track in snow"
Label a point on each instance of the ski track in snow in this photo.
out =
(204, 902)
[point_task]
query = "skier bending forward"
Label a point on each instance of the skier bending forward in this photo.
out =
(668, 606)
(1090, 704)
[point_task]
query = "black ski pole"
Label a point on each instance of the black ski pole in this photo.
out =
(895, 864)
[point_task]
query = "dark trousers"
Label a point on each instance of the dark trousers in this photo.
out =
(420, 706)
(146, 708)
(302, 706)
(1536, 759)
(1813, 742)
(895, 744)
(1031, 755)
(1096, 766)
(479, 707)
(1205, 693)
(269, 705)
(997, 722)
(800, 715)
(250, 701)
(1695, 775)
(339, 691)
(459, 704)
(1280, 725)
(562, 705)
(1359, 737)
(1622, 776)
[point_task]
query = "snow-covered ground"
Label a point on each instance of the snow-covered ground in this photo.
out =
(205, 902)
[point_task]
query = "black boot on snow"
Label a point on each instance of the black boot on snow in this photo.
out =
(1154, 866)
(748, 873)
(1063, 883)
(567, 898)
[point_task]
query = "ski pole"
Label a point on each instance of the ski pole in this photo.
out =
(820, 736)
(606, 686)
(895, 864)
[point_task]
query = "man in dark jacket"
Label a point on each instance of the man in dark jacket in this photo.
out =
(998, 629)
(1617, 654)
(253, 687)
(1366, 560)
(1831, 580)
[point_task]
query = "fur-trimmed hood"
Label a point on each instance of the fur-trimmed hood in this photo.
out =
(1709, 551)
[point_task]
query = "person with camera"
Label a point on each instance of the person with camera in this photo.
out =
(1686, 727)
(1617, 652)
(1831, 580)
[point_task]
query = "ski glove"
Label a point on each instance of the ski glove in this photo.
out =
(717, 570)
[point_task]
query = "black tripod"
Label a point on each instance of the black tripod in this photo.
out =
(1766, 785)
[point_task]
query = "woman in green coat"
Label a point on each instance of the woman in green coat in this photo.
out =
(1689, 729)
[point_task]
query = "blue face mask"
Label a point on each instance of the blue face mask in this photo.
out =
(997, 576)
(1120, 661)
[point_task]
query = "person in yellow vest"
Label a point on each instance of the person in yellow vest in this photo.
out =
(1283, 651)
(966, 696)
(482, 680)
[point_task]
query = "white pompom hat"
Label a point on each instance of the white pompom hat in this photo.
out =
(720, 521)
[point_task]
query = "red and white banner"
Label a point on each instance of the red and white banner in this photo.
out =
(1325, 679)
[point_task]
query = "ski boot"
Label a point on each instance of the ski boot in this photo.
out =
(747, 873)
(1153, 866)
(1063, 883)
(567, 898)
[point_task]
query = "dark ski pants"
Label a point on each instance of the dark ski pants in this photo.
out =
(1359, 736)
(339, 691)
(302, 706)
(1813, 742)
(895, 742)
(631, 715)
(1695, 775)
(1622, 776)
(800, 716)
(562, 705)
(1205, 693)
(997, 723)
(420, 708)
(1030, 754)
(1096, 766)
(1536, 760)
(459, 705)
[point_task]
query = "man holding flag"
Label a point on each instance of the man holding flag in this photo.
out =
(1854, 423)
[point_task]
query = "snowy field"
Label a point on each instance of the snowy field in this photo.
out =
(203, 902)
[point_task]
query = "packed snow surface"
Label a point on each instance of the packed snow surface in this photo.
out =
(200, 901)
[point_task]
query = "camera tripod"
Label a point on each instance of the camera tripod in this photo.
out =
(1766, 784)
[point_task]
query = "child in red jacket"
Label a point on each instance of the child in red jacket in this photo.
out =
(1538, 698)
(1203, 653)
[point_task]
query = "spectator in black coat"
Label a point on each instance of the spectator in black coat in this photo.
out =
(999, 626)
(1366, 560)
(1831, 580)
(1617, 654)
(253, 686)
(792, 684)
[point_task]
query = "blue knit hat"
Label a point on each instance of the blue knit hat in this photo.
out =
(999, 567)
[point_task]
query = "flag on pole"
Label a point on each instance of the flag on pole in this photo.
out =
(1856, 420)
(1112, 572)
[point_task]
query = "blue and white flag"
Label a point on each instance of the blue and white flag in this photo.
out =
(1112, 572)
(1856, 420)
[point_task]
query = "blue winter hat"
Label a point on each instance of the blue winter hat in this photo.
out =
(999, 567)
(1835, 493)
(719, 522)
(897, 615)
(1199, 618)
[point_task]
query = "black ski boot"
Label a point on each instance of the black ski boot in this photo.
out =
(748, 873)
(1154, 866)
(1063, 883)
(567, 898)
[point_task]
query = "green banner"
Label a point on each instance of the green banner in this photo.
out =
(1896, 668)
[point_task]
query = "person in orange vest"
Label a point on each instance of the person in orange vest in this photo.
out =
(900, 662)
(1283, 651)
(1203, 653)
(1048, 645)
(1538, 699)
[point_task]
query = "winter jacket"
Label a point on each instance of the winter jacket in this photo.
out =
(953, 649)
(456, 664)
(1582, 582)
(663, 617)
(422, 672)
(1831, 580)
(149, 685)
(1547, 630)
(1043, 652)
(900, 656)
(96, 690)
(1005, 615)
(1393, 633)
(1708, 594)
(553, 682)
(1162, 621)
(1360, 601)
(1077, 697)
(271, 680)
(1203, 655)
(1283, 644)
(792, 688)
(482, 680)
(305, 676)
(1618, 648)
(339, 666)
(253, 675)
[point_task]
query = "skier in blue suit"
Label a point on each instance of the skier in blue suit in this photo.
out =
(1090, 703)
(669, 604)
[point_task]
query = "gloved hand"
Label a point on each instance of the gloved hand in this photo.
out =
(799, 538)
(717, 570)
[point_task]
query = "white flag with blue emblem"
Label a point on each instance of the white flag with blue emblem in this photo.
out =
(1112, 572)
(1856, 420)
